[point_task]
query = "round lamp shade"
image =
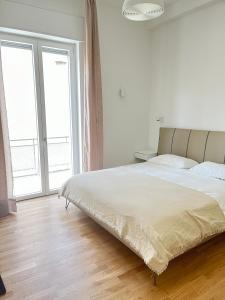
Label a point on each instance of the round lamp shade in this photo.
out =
(142, 10)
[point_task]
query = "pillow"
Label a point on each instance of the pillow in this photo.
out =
(174, 161)
(210, 169)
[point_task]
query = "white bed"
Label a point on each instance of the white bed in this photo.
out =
(159, 212)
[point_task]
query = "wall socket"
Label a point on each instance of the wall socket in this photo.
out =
(122, 93)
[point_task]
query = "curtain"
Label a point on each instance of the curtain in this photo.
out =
(93, 112)
(7, 202)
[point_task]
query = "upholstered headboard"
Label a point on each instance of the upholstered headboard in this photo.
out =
(199, 145)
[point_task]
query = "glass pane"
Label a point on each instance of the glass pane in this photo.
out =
(57, 105)
(19, 83)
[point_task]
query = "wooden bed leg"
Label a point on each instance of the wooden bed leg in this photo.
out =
(154, 279)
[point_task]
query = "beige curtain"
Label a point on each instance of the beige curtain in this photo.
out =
(93, 115)
(7, 203)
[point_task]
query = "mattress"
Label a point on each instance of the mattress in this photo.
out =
(157, 211)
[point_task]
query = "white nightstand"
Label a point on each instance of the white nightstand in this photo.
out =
(145, 154)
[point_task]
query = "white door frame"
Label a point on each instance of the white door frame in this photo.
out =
(73, 53)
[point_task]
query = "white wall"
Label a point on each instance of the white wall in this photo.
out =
(125, 63)
(188, 71)
(63, 18)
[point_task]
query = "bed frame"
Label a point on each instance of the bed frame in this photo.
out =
(199, 145)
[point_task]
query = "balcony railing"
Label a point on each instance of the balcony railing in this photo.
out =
(25, 155)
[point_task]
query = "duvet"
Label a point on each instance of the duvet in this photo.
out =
(158, 212)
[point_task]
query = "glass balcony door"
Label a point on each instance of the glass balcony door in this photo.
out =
(21, 104)
(56, 76)
(42, 113)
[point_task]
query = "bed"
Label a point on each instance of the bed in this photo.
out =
(157, 211)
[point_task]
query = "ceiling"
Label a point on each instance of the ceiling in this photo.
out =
(175, 9)
(120, 2)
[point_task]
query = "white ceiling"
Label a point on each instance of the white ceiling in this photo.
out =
(120, 2)
(175, 9)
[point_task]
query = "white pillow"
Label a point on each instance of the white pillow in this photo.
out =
(210, 169)
(174, 161)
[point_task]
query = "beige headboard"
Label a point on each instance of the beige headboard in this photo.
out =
(199, 145)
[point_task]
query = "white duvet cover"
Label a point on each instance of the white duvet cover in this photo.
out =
(157, 211)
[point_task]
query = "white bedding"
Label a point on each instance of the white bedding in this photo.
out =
(157, 211)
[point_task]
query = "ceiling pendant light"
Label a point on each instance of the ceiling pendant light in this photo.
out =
(142, 10)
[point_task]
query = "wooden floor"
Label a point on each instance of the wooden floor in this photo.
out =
(49, 253)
